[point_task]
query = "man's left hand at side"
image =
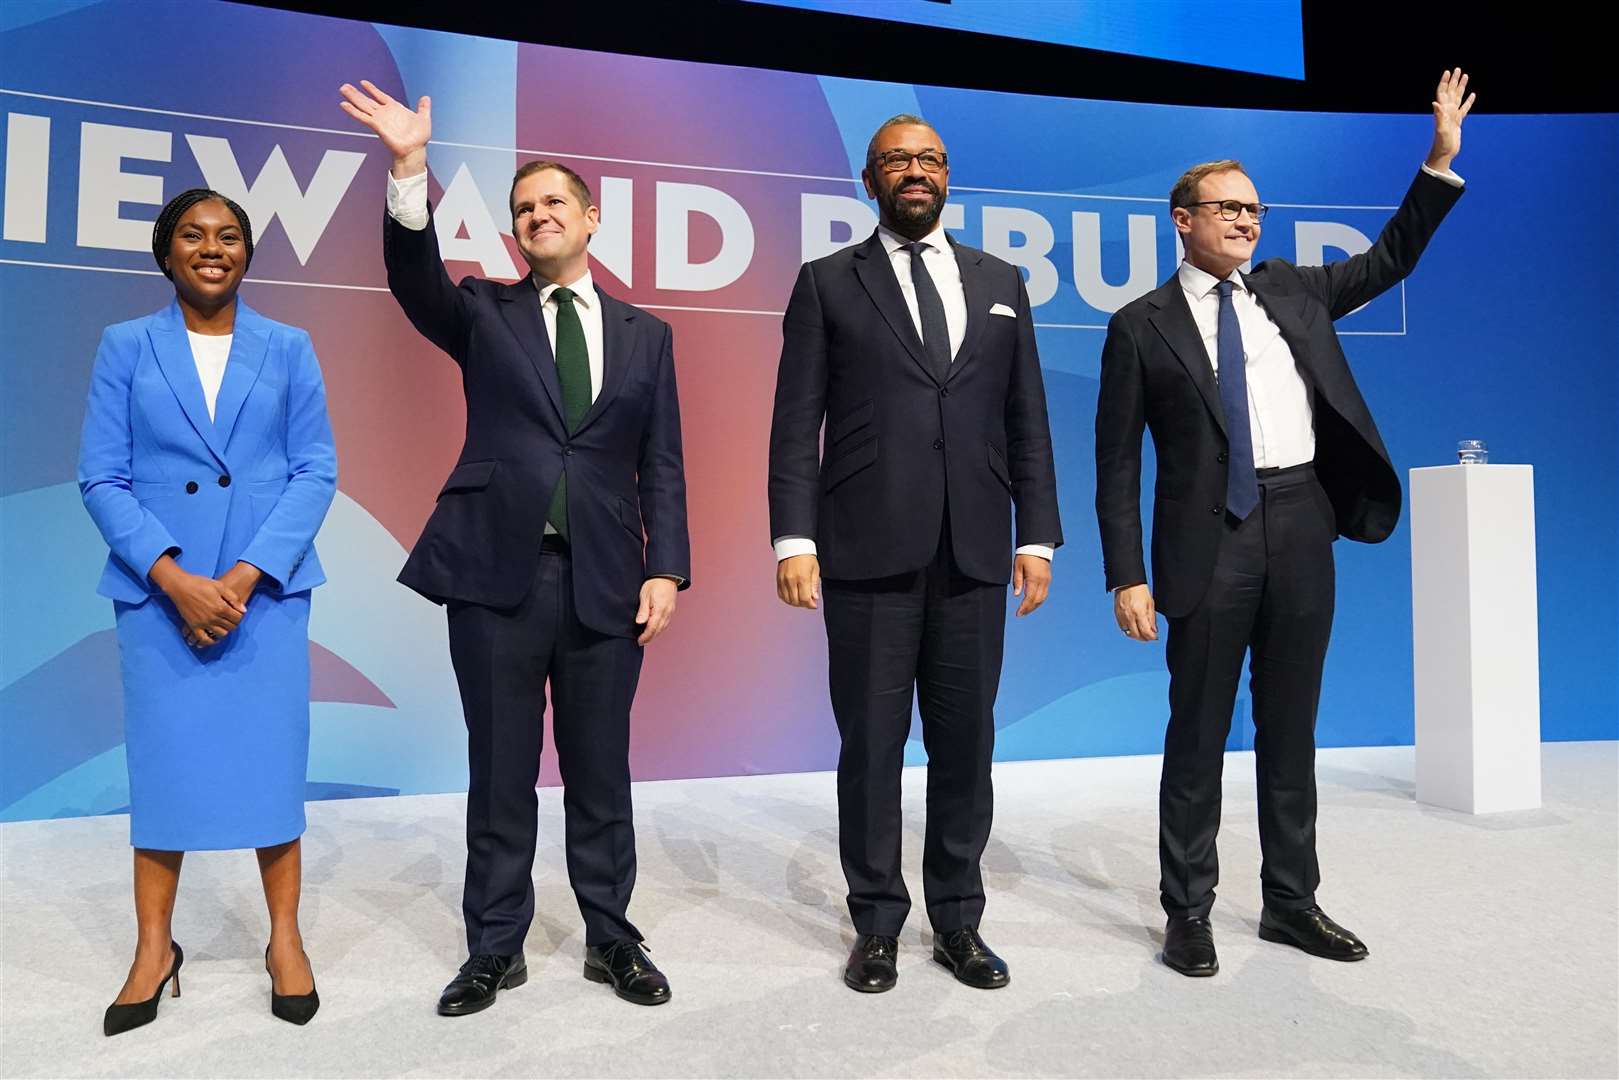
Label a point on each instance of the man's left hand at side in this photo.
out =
(1031, 579)
(657, 608)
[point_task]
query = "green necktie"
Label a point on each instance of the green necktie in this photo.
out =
(573, 373)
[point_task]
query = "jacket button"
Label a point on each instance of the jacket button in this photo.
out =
(224, 481)
(944, 391)
(938, 444)
(567, 451)
(191, 487)
(1216, 509)
(1224, 457)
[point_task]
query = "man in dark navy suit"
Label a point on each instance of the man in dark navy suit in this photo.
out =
(1266, 454)
(918, 354)
(558, 545)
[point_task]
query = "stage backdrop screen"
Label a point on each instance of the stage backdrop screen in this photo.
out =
(1262, 36)
(715, 183)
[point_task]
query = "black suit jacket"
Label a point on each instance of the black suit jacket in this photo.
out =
(626, 477)
(1156, 373)
(900, 446)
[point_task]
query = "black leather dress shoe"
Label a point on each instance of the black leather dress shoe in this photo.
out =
(1189, 946)
(632, 975)
(482, 977)
(871, 969)
(1311, 931)
(973, 962)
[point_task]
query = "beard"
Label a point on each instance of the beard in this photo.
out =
(905, 212)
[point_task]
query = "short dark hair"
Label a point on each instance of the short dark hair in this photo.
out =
(906, 119)
(169, 219)
(1184, 193)
(581, 190)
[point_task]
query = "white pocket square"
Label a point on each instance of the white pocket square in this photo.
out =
(1002, 309)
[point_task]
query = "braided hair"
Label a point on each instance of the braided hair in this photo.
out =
(169, 219)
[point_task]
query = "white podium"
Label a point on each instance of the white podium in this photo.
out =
(1476, 646)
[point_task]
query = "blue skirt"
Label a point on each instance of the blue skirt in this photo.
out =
(217, 739)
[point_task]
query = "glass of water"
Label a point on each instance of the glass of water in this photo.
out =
(1472, 452)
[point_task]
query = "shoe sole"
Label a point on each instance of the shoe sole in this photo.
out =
(596, 975)
(944, 961)
(510, 982)
(1281, 937)
(861, 988)
(1191, 973)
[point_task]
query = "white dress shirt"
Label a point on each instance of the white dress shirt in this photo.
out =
(1279, 415)
(942, 268)
(210, 352)
(940, 260)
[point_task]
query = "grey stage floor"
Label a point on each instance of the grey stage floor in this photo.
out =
(1495, 948)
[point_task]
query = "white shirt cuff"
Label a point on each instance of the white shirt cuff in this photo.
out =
(1044, 551)
(789, 546)
(1448, 176)
(407, 200)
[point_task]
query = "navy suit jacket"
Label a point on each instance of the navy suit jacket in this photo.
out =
(159, 476)
(900, 446)
(626, 477)
(1156, 374)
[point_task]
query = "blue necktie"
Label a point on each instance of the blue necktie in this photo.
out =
(935, 330)
(1242, 484)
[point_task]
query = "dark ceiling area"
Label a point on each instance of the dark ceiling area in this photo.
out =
(1359, 56)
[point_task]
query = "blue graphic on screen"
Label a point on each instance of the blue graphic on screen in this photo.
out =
(1262, 36)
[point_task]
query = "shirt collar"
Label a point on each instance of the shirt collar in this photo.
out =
(584, 290)
(1199, 283)
(893, 241)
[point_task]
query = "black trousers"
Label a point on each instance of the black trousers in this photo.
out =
(1272, 595)
(939, 635)
(503, 660)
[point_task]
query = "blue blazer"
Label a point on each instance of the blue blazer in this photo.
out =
(626, 471)
(158, 476)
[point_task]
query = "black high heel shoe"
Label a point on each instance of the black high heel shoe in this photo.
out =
(122, 1018)
(293, 1008)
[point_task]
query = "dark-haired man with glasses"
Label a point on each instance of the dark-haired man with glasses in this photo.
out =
(1266, 455)
(918, 355)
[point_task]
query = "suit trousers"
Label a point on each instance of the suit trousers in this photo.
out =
(503, 660)
(939, 635)
(1271, 596)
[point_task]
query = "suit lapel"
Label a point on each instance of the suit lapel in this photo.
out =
(976, 292)
(250, 340)
(871, 265)
(167, 334)
(1174, 323)
(618, 341)
(521, 307)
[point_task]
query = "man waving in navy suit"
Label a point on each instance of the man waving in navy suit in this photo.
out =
(558, 545)
(1266, 454)
(918, 353)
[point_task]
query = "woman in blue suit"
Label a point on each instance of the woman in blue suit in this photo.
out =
(208, 465)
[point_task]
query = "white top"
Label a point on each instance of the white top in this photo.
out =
(210, 352)
(940, 260)
(589, 307)
(942, 268)
(1279, 415)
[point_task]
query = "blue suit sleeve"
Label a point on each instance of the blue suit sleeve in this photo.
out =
(287, 533)
(661, 479)
(106, 451)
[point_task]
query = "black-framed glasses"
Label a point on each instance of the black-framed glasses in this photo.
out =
(899, 160)
(1231, 209)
